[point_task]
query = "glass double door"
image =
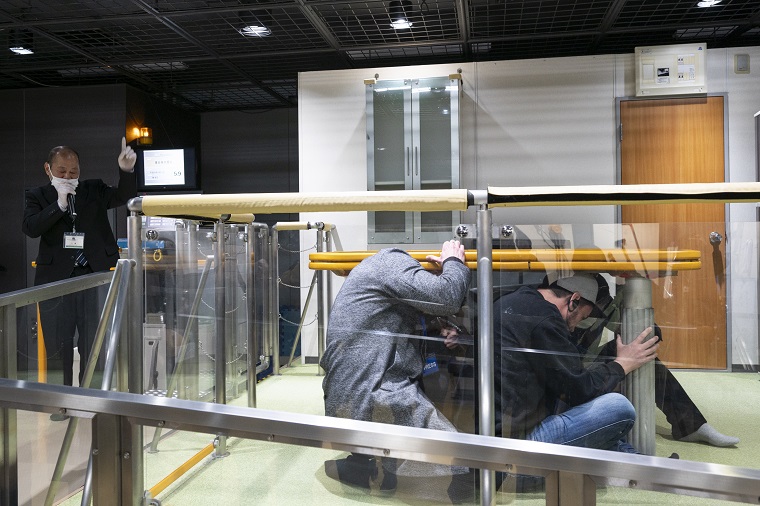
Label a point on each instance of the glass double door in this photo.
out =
(412, 144)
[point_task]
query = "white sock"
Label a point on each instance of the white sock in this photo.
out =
(707, 434)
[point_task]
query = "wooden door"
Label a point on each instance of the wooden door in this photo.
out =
(680, 141)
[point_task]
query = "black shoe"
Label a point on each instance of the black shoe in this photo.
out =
(353, 470)
(390, 481)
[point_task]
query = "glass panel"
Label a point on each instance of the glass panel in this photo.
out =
(389, 154)
(704, 310)
(55, 334)
(39, 444)
(435, 133)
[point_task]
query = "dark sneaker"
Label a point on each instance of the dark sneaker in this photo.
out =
(356, 470)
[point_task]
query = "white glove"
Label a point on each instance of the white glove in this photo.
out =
(128, 157)
(64, 188)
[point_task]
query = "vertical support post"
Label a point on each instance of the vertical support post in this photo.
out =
(181, 263)
(132, 475)
(485, 342)
(231, 315)
(108, 461)
(8, 427)
(321, 319)
(191, 385)
(274, 301)
(637, 315)
(328, 278)
(565, 488)
(220, 363)
(250, 307)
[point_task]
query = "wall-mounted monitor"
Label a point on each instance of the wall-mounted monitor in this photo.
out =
(167, 171)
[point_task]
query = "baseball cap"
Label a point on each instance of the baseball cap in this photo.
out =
(587, 285)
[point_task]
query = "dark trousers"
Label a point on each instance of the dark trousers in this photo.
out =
(669, 396)
(61, 318)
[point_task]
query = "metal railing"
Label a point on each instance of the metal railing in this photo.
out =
(565, 467)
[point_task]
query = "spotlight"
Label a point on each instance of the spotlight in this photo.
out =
(256, 26)
(399, 11)
(21, 41)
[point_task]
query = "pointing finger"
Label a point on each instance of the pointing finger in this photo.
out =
(123, 144)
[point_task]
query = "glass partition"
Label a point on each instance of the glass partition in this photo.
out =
(204, 301)
(694, 284)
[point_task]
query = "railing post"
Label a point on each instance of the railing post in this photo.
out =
(109, 460)
(485, 342)
(321, 317)
(220, 342)
(639, 385)
(132, 361)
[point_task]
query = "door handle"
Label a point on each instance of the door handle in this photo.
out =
(408, 163)
(715, 238)
(416, 162)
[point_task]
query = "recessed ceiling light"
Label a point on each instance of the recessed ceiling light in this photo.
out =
(21, 50)
(708, 3)
(255, 31)
(399, 11)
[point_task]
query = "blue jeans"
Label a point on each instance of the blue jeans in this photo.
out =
(599, 423)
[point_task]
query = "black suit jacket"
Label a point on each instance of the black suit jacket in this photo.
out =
(44, 219)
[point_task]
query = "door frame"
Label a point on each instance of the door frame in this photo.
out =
(727, 207)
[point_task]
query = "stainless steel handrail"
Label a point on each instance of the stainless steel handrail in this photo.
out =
(55, 289)
(639, 471)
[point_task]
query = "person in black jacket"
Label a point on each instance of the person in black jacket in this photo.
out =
(543, 390)
(70, 218)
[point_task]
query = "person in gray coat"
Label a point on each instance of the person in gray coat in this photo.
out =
(372, 360)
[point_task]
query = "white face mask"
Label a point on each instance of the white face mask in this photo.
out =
(59, 180)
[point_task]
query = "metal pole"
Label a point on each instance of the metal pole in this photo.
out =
(191, 366)
(485, 343)
(274, 300)
(231, 302)
(132, 477)
(220, 363)
(639, 385)
(250, 307)
(321, 319)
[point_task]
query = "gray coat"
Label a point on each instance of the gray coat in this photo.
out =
(370, 372)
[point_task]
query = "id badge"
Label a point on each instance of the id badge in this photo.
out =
(431, 365)
(73, 240)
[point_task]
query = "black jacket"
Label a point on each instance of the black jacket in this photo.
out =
(44, 219)
(537, 367)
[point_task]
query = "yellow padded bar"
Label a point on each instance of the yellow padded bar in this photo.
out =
(647, 261)
(268, 203)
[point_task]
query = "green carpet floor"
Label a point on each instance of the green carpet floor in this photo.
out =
(265, 473)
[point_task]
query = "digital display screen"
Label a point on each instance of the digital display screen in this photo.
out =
(167, 170)
(164, 167)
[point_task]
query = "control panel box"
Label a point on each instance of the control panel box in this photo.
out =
(670, 70)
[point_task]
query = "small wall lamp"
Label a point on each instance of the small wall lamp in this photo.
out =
(146, 136)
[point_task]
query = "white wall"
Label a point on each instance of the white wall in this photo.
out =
(530, 123)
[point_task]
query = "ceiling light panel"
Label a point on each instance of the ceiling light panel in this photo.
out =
(363, 23)
(221, 31)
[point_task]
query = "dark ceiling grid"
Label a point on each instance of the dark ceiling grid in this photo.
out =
(191, 51)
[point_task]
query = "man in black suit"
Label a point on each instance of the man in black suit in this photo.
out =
(70, 218)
